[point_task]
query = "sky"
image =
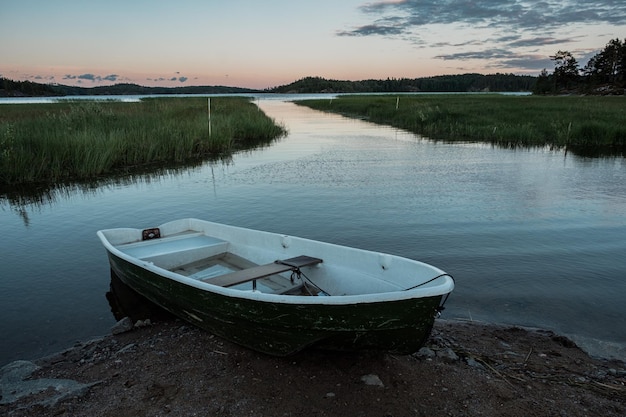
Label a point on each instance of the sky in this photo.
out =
(266, 43)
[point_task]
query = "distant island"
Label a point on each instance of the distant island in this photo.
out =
(461, 83)
(10, 88)
(307, 85)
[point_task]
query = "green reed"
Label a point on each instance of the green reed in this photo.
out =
(59, 142)
(501, 119)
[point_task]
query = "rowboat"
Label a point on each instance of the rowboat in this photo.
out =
(279, 294)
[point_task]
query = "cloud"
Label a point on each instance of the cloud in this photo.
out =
(507, 33)
(181, 79)
(538, 41)
(529, 62)
(468, 43)
(510, 42)
(488, 54)
(89, 77)
(92, 77)
(403, 16)
(373, 29)
(502, 59)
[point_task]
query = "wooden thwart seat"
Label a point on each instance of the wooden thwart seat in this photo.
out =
(262, 271)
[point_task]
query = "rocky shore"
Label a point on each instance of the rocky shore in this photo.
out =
(170, 368)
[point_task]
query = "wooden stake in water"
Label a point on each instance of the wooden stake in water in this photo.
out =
(209, 107)
(397, 102)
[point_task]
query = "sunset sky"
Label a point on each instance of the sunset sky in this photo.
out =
(262, 44)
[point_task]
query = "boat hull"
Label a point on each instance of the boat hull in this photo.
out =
(281, 329)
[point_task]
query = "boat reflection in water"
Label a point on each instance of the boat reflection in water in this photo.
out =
(126, 302)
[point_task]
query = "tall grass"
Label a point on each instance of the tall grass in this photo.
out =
(49, 143)
(501, 119)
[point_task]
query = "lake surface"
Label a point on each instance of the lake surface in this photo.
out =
(533, 237)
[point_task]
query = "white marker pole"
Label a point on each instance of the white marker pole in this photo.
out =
(209, 107)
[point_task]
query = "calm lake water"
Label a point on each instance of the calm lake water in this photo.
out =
(533, 237)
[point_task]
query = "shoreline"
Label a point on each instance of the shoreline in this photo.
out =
(595, 348)
(599, 349)
(465, 368)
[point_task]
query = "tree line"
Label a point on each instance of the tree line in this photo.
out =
(10, 88)
(441, 83)
(605, 73)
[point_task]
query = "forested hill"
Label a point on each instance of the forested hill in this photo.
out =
(442, 83)
(10, 88)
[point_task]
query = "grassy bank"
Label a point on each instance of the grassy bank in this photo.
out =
(58, 142)
(501, 119)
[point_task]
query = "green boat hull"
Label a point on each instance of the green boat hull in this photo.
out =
(280, 329)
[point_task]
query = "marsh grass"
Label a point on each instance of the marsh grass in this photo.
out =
(49, 143)
(506, 120)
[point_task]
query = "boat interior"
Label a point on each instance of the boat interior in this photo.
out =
(208, 259)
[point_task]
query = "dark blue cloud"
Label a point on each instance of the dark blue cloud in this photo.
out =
(88, 77)
(406, 15)
(181, 79)
(515, 26)
(537, 41)
(374, 29)
(488, 54)
(91, 77)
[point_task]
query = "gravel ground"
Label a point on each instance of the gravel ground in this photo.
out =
(172, 369)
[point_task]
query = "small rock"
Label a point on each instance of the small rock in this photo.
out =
(447, 354)
(127, 348)
(143, 323)
(475, 364)
(329, 395)
(122, 326)
(372, 379)
(15, 384)
(424, 353)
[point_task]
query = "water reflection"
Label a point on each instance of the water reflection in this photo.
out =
(125, 302)
(597, 151)
(583, 151)
(21, 198)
